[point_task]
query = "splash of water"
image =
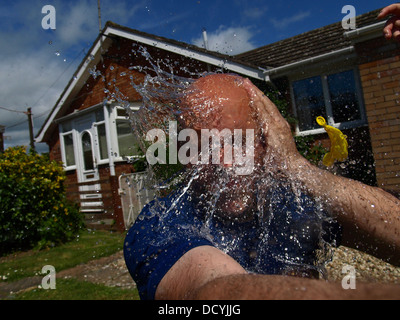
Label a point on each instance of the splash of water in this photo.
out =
(291, 229)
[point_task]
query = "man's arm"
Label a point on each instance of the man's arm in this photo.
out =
(271, 287)
(208, 273)
(370, 216)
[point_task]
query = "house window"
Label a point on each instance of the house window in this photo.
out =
(67, 145)
(126, 140)
(87, 151)
(335, 96)
(124, 136)
(309, 99)
(69, 150)
(101, 136)
(343, 97)
(102, 139)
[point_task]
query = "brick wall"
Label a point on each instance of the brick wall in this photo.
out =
(116, 73)
(381, 87)
(55, 148)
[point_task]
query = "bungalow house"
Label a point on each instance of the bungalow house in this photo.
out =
(349, 77)
(88, 129)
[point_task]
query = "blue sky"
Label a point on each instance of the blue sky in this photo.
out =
(36, 64)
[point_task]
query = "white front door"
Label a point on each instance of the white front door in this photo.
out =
(87, 169)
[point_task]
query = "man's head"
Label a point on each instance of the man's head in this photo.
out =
(220, 101)
(217, 101)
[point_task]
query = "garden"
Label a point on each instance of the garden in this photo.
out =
(39, 227)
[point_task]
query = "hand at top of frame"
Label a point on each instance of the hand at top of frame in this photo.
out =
(392, 27)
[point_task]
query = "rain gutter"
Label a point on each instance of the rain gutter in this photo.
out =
(366, 33)
(284, 70)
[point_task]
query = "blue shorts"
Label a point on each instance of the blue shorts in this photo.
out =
(281, 239)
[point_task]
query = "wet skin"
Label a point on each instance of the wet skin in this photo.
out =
(221, 102)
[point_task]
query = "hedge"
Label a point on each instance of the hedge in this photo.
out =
(34, 210)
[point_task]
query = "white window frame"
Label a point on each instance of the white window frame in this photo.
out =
(328, 106)
(76, 136)
(97, 140)
(114, 135)
(62, 146)
(110, 121)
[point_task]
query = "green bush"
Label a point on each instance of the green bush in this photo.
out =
(34, 211)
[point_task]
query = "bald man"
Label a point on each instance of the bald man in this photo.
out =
(260, 242)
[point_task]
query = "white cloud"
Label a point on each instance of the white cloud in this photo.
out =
(31, 73)
(285, 22)
(77, 22)
(230, 41)
(29, 81)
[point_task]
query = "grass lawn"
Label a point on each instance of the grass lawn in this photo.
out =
(72, 289)
(89, 245)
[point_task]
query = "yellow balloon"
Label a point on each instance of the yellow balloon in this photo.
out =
(339, 145)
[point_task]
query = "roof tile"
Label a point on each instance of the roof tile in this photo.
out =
(305, 45)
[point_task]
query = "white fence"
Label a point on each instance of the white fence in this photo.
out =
(135, 194)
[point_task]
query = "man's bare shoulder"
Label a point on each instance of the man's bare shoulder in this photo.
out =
(194, 269)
